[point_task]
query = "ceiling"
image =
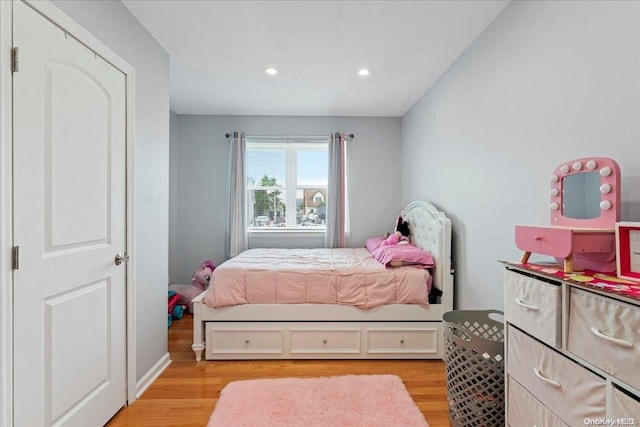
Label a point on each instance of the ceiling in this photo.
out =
(220, 49)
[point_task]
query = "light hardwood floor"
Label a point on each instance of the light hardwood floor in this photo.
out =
(186, 393)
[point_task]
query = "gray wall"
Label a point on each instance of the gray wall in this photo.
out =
(546, 83)
(174, 259)
(114, 26)
(203, 171)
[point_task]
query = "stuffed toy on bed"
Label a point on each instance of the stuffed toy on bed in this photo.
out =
(199, 283)
(401, 235)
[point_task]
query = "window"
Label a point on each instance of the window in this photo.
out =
(287, 183)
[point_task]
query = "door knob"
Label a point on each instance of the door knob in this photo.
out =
(120, 258)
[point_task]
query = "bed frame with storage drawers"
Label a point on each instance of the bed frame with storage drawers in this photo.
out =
(332, 331)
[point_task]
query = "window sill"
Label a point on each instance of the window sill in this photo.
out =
(288, 232)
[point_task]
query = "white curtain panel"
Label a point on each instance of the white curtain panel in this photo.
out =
(238, 237)
(335, 236)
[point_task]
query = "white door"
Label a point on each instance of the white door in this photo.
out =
(69, 223)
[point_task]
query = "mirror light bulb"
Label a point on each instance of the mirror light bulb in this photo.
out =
(605, 205)
(605, 171)
(564, 169)
(592, 164)
(554, 192)
(577, 166)
(554, 178)
(554, 206)
(605, 188)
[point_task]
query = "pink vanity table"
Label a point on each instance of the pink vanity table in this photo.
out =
(585, 200)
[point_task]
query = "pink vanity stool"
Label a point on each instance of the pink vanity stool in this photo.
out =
(585, 200)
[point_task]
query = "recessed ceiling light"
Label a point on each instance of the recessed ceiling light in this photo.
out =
(271, 71)
(363, 72)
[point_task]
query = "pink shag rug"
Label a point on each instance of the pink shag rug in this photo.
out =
(349, 400)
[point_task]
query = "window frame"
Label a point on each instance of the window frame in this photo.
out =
(291, 146)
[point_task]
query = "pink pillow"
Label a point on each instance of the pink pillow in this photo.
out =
(374, 243)
(397, 255)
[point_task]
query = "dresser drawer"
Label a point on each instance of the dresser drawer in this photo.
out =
(605, 333)
(324, 341)
(624, 406)
(557, 242)
(525, 410)
(561, 242)
(533, 305)
(570, 391)
(222, 339)
(380, 341)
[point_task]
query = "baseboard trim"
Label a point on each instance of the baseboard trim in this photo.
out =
(151, 375)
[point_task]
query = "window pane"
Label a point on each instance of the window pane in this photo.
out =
(312, 207)
(267, 208)
(313, 167)
(266, 168)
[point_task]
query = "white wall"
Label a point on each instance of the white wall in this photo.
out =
(549, 81)
(112, 24)
(203, 171)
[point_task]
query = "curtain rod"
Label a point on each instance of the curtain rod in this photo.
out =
(228, 135)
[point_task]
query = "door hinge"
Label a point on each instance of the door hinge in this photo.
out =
(15, 60)
(15, 258)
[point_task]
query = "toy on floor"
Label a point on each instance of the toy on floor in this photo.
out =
(176, 310)
(199, 284)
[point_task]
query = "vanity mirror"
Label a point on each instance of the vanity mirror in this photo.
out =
(584, 205)
(586, 193)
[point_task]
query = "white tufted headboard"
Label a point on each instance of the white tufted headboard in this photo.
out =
(431, 231)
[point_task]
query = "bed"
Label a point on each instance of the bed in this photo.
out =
(337, 331)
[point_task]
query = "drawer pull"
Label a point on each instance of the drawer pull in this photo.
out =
(617, 341)
(246, 341)
(324, 341)
(545, 379)
(527, 306)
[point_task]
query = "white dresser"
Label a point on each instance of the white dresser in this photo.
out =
(572, 352)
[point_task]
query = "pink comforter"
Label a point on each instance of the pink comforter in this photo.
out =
(321, 276)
